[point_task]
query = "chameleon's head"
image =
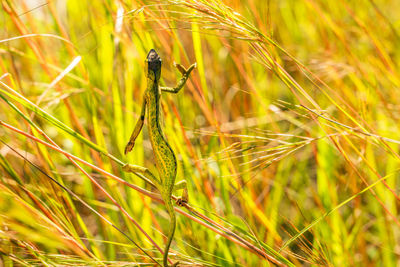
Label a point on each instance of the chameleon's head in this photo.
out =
(153, 65)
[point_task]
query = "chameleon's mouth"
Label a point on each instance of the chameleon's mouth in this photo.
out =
(153, 60)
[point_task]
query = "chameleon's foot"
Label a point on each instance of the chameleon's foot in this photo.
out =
(181, 202)
(135, 168)
(129, 147)
(183, 70)
(175, 264)
(184, 199)
(126, 168)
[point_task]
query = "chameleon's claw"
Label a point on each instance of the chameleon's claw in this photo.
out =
(129, 147)
(183, 70)
(126, 168)
(184, 199)
(181, 202)
(180, 68)
(189, 70)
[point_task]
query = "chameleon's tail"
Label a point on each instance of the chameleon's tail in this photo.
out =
(172, 225)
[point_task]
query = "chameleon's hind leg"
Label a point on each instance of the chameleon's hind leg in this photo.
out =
(184, 198)
(148, 176)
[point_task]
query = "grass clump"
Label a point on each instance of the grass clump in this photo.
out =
(286, 132)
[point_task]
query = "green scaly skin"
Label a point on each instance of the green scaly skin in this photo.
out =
(164, 155)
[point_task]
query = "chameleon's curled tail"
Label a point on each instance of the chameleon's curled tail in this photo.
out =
(172, 226)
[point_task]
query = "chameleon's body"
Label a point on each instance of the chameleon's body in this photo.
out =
(165, 158)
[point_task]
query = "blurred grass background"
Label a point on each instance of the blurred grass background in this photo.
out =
(287, 132)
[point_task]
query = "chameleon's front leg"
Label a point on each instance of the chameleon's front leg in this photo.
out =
(138, 128)
(184, 198)
(182, 81)
(148, 176)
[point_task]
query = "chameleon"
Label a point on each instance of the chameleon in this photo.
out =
(166, 163)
